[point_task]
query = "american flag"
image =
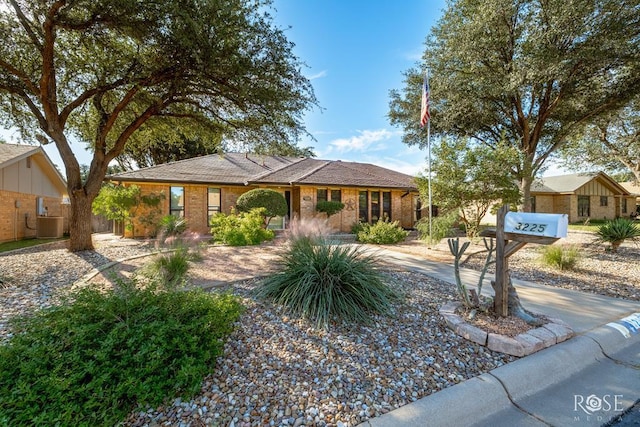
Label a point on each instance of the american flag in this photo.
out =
(424, 114)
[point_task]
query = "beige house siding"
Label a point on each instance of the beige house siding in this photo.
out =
(605, 200)
(303, 205)
(21, 184)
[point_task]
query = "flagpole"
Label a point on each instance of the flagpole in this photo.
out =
(429, 164)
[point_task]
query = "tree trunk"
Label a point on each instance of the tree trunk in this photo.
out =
(80, 222)
(516, 308)
(525, 188)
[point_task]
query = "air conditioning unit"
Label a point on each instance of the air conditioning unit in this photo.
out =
(49, 227)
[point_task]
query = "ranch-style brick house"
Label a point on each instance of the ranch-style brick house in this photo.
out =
(200, 187)
(33, 194)
(582, 196)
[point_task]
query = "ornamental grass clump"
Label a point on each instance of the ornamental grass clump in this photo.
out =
(327, 283)
(617, 231)
(560, 257)
(102, 354)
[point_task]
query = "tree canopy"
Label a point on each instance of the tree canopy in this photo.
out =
(469, 179)
(522, 71)
(111, 72)
(610, 143)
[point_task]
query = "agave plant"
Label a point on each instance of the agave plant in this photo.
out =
(617, 231)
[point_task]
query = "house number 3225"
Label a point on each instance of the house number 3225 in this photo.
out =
(530, 227)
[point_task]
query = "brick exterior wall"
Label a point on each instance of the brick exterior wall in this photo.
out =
(20, 223)
(568, 204)
(303, 204)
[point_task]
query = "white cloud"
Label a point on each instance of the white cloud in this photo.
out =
(415, 55)
(366, 140)
(407, 167)
(319, 75)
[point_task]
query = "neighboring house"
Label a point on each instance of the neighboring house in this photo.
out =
(200, 187)
(634, 189)
(30, 187)
(582, 196)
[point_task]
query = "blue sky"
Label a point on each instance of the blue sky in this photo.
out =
(356, 52)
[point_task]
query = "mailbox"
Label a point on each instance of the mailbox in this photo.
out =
(536, 224)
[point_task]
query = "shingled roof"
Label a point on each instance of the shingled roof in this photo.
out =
(569, 184)
(246, 169)
(11, 153)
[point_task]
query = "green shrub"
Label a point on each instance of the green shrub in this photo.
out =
(328, 282)
(240, 229)
(273, 203)
(560, 257)
(94, 360)
(382, 233)
(442, 226)
(330, 207)
(617, 231)
(358, 227)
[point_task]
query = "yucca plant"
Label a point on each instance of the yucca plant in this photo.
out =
(325, 282)
(617, 231)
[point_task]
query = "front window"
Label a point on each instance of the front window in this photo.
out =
(375, 206)
(177, 201)
(336, 195)
(604, 201)
(386, 205)
(624, 205)
(321, 195)
(363, 206)
(213, 202)
(417, 214)
(584, 208)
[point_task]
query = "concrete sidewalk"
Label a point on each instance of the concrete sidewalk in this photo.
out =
(585, 381)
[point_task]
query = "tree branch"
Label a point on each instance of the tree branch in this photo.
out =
(26, 25)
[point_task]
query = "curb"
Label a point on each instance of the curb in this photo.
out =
(494, 397)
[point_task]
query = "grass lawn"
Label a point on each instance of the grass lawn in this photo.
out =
(19, 244)
(592, 226)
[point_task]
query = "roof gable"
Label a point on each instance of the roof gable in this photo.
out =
(569, 184)
(13, 153)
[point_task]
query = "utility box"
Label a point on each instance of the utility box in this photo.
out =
(49, 227)
(536, 224)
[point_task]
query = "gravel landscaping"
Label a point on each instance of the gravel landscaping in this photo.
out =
(281, 371)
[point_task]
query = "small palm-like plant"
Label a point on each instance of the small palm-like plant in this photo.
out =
(172, 226)
(326, 282)
(617, 231)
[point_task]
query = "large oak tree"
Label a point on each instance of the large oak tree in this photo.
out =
(107, 71)
(530, 72)
(612, 143)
